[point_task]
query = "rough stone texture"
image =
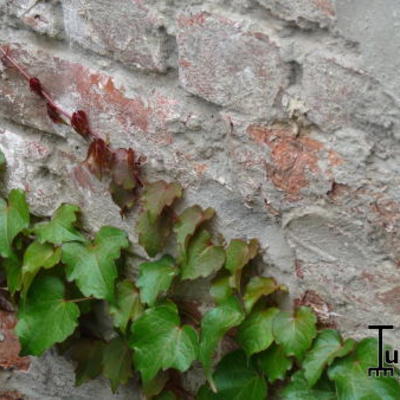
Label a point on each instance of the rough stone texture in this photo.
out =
(281, 115)
(138, 38)
(228, 65)
(305, 13)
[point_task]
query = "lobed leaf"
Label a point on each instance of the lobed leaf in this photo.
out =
(203, 257)
(255, 332)
(235, 379)
(327, 346)
(350, 375)
(155, 221)
(92, 266)
(14, 217)
(238, 254)
(46, 317)
(159, 342)
(295, 332)
(257, 288)
(156, 277)
(214, 325)
(274, 363)
(61, 228)
(187, 224)
(127, 305)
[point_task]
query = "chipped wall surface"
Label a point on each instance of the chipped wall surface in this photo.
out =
(283, 115)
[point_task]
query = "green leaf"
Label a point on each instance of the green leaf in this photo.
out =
(155, 278)
(327, 346)
(238, 254)
(117, 362)
(127, 305)
(92, 266)
(235, 379)
(295, 332)
(221, 289)
(3, 161)
(255, 332)
(60, 229)
(298, 389)
(257, 288)
(38, 255)
(274, 363)
(350, 375)
(187, 224)
(156, 385)
(14, 217)
(46, 317)
(214, 325)
(159, 342)
(155, 221)
(203, 257)
(13, 269)
(88, 354)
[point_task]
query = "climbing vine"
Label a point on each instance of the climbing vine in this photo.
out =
(60, 278)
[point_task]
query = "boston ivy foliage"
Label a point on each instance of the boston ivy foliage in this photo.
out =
(60, 279)
(247, 347)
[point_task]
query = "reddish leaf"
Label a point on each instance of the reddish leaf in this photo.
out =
(126, 169)
(80, 123)
(99, 157)
(36, 86)
(54, 114)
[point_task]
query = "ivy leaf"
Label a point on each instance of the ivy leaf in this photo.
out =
(221, 289)
(214, 325)
(203, 257)
(88, 354)
(92, 266)
(238, 254)
(274, 363)
(60, 229)
(14, 217)
(295, 332)
(3, 161)
(327, 346)
(298, 389)
(117, 362)
(154, 223)
(258, 287)
(350, 375)
(38, 255)
(156, 385)
(159, 342)
(127, 305)
(255, 332)
(187, 224)
(235, 379)
(13, 269)
(125, 172)
(99, 158)
(46, 317)
(156, 277)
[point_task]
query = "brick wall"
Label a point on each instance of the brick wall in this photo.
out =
(282, 115)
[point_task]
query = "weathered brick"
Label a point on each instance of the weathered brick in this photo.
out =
(9, 344)
(40, 16)
(226, 64)
(303, 12)
(128, 30)
(338, 95)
